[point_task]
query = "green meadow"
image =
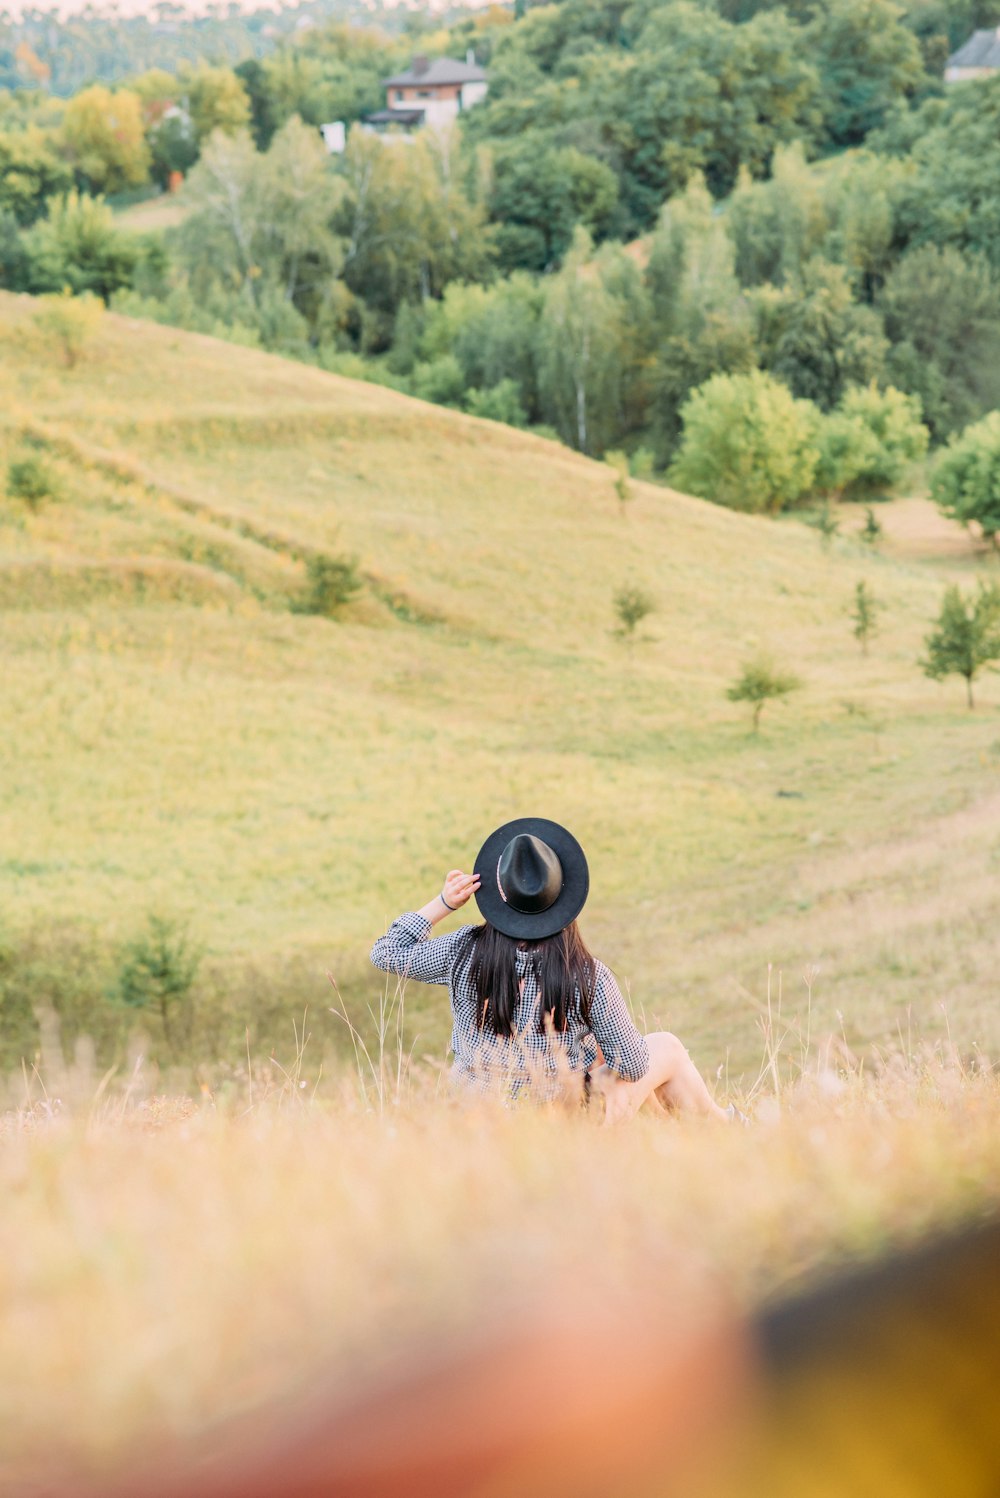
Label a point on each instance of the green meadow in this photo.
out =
(181, 740)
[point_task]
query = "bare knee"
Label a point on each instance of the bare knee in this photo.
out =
(666, 1053)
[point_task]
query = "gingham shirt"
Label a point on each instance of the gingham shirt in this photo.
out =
(539, 1058)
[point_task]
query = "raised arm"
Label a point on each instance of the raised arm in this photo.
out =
(625, 1051)
(405, 950)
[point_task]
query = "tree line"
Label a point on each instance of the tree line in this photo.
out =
(753, 246)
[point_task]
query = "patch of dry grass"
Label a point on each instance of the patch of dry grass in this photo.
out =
(165, 1266)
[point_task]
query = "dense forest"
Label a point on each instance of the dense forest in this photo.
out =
(666, 215)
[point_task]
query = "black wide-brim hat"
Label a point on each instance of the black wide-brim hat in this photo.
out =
(533, 877)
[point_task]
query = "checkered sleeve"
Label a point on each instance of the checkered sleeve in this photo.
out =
(405, 950)
(625, 1050)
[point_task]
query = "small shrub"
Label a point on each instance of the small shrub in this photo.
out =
(632, 605)
(864, 614)
(441, 381)
(892, 419)
(761, 682)
(32, 480)
(157, 973)
(871, 531)
(69, 322)
(618, 463)
(826, 522)
(502, 402)
(966, 636)
(642, 463)
(331, 583)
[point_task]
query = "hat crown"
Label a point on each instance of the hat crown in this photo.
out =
(529, 874)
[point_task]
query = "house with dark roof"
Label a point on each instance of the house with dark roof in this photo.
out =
(978, 58)
(432, 91)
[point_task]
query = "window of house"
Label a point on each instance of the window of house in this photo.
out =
(425, 93)
(399, 96)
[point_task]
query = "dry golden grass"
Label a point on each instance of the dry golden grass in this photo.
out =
(166, 1266)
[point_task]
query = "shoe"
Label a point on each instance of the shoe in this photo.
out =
(734, 1115)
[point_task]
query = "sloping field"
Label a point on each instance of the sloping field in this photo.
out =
(179, 740)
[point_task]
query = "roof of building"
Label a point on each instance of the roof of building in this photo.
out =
(982, 50)
(426, 72)
(395, 117)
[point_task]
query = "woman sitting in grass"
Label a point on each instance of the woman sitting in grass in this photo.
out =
(531, 1006)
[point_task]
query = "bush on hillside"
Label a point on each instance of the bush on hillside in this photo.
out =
(966, 481)
(846, 448)
(69, 323)
(32, 480)
(441, 381)
(157, 973)
(747, 443)
(331, 583)
(892, 419)
(501, 403)
(632, 605)
(79, 246)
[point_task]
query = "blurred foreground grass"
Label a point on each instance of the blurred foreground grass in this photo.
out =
(167, 1264)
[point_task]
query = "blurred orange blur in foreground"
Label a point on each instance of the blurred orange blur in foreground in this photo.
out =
(885, 1381)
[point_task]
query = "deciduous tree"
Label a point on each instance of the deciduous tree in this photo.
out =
(105, 139)
(966, 479)
(747, 443)
(759, 683)
(966, 636)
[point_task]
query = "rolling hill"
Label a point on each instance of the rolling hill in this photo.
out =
(182, 740)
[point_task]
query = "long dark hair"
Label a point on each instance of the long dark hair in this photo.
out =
(565, 971)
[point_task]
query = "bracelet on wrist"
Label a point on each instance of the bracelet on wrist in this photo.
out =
(444, 902)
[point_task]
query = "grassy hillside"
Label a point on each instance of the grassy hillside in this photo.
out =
(179, 740)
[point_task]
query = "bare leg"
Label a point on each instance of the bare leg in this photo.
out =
(672, 1082)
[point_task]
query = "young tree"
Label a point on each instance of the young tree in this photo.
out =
(864, 614)
(78, 245)
(871, 531)
(966, 481)
(31, 479)
(158, 972)
(966, 636)
(748, 443)
(632, 605)
(618, 463)
(826, 522)
(69, 322)
(761, 682)
(105, 139)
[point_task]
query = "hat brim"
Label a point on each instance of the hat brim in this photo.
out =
(572, 897)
